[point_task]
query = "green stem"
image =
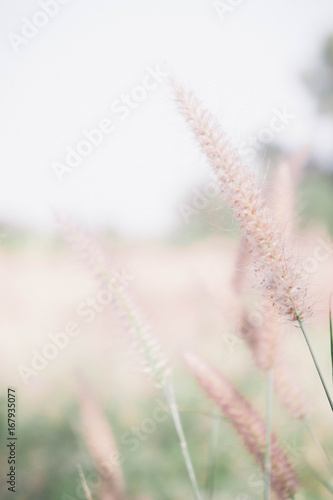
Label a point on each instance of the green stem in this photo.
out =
(316, 364)
(269, 401)
(172, 404)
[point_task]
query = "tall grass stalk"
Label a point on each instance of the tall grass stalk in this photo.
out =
(169, 395)
(315, 362)
(151, 354)
(269, 404)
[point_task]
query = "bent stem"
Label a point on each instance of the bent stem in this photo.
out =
(267, 469)
(169, 395)
(316, 364)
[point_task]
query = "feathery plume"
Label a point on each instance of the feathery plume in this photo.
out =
(263, 337)
(281, 278)
(152, 357)
(248, 424)
(101, 445)
(259, 327)
(243, 262)
(264, 340)
(97, 259)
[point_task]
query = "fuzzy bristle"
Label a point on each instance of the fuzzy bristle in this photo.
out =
(277, 268)
(97, 259)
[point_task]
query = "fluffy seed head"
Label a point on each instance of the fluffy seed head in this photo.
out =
(98, 261)
(243, 262)
(248, 424)
(273, 262)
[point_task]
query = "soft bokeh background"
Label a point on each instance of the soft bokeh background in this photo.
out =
(131, 191)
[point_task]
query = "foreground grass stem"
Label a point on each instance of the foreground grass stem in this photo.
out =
(267, 467)
(316, 363)
(169, 395)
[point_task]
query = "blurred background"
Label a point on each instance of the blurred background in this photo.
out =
(90, 131)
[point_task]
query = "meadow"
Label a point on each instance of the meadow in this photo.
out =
(218, 397)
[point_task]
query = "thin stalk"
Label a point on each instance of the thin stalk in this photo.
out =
(267, 469)
(316, 364)
(171, 402)
(214, 441)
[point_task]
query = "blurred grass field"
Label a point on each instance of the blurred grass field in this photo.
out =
(175, 281)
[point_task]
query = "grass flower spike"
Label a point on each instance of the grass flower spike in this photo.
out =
(248, 424)
(280, 276)
(151, 356)
(93, 254)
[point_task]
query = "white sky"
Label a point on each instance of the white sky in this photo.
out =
(64, 81)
